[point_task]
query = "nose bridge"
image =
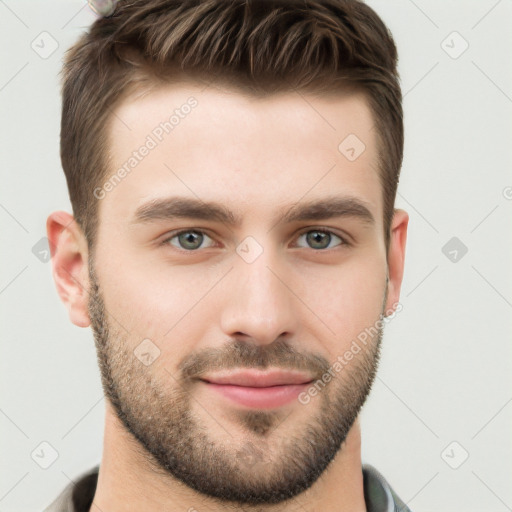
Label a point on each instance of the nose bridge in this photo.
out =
(258, 304)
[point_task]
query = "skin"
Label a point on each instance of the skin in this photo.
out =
(171, 443)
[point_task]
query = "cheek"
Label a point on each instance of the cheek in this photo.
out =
(164, 307)
(346, 300)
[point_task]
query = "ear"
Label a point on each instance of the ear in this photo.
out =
(396, 257)
(69, 256)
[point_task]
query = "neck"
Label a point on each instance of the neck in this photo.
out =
(126, 481)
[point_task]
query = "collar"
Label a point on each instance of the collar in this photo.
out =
(378, 494)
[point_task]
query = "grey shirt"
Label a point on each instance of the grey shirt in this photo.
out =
(378, 494)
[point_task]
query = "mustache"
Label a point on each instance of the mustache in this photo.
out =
(241, 354)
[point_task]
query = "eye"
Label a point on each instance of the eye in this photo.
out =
(321, 238)
(192, 239)
(188, 240)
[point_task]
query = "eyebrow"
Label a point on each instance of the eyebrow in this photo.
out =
(184, 207)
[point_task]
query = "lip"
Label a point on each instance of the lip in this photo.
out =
(258, 379)
(259, 390)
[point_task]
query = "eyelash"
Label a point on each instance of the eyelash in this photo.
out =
(174, 234)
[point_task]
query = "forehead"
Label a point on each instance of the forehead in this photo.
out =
(216, 143)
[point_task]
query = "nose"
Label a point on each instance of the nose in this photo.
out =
(258, 300)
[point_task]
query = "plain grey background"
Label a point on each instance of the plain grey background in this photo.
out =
(438, 423)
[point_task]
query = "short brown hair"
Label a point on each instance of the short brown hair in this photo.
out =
(257, 46)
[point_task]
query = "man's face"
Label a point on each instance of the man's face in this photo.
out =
(263, 294)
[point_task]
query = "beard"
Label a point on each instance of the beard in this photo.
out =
(274, 460)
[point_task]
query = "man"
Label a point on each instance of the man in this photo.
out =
(232, 167)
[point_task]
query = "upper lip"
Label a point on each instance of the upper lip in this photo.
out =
(258, 379)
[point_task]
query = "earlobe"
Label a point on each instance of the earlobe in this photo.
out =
(69, 253)
(396, 257)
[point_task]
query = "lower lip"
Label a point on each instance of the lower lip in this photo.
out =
(259, 398)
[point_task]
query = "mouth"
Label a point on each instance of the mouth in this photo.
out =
(258, 390)
(259, 379)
